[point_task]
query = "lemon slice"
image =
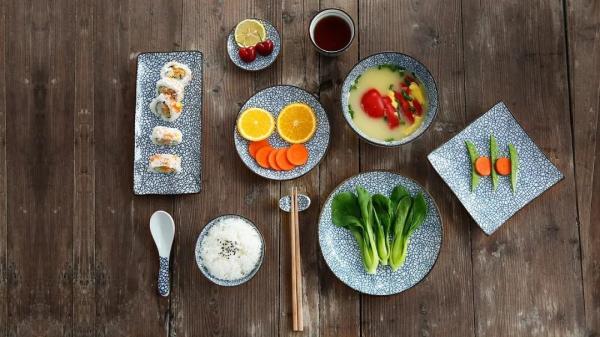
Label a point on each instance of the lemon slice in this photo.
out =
(249, 32)
(255, 124)
(296, 123)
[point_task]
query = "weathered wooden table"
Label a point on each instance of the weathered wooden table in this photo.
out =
(76, 256)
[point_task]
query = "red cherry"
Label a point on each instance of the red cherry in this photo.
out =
(247, 54)
(264, 48)
(372, 103)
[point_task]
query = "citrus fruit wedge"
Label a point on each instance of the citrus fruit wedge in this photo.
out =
(249, 32)
(296, 123)
(255, 124)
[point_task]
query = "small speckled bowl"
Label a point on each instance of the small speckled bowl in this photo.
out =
(410, 64)
(205, 272)
(261, 62)
(273, 99)
(341, 252)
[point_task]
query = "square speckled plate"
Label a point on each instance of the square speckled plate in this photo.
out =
(189, 179)
(490, 209)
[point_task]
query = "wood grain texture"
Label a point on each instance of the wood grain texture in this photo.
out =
(301, 68)
(39, 142)
(3, 194)
(84, 290)
(583, 27)
(200, 307)
(339, 309)
(76, 254)
(441, 305)
(527, 275)
(126, 258)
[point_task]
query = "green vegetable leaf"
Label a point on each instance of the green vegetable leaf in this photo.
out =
(350, 111)
(383, 211)
(344, 204)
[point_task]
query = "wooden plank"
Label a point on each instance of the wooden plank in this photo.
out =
(527, 276)
(300, 67)
(201, 308)
(40, 54)
(339, 307)
(3, 195)
(583, 28)
(442, 303)
(126, 258)
(84, 301)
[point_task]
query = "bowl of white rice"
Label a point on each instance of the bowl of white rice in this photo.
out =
(229, 250)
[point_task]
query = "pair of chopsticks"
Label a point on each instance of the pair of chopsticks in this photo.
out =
(297, 319)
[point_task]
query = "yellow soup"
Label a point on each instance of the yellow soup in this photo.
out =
(403, 92)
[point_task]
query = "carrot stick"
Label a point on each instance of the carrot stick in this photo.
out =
(483, 166)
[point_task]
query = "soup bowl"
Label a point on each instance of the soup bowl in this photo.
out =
(412, 67)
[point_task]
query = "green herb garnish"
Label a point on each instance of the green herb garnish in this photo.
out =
(350, 111)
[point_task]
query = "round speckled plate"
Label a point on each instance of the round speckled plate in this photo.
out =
(205, 272)
(261, 62)
(343, 257)
(402, 61)
(273, 99)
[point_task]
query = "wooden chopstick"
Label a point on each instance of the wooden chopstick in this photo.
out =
(293, 258)
(299, 295)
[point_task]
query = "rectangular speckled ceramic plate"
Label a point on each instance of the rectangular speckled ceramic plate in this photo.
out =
(490, 209)
(189, 179)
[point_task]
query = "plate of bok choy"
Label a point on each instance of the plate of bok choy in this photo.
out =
(380, 233)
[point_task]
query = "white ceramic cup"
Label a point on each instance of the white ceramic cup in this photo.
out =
(327, 13)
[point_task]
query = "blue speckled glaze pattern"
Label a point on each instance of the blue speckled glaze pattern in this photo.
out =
(342, 254)
(261, 62)
(217, 281)
(189, 180)
(164, 287)
(285, 203)
(490, 209)
(411, 65)
(273, 99)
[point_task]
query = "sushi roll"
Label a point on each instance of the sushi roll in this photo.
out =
(170, 87)
(162, 135)
(177, 71)
(166, 108)
(164, 163)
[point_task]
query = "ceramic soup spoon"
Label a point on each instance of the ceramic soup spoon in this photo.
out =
(162, 228)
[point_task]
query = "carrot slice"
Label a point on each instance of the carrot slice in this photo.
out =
(262, 156)
(483, 166)
(282, 161)
(503, 166)
(253, 147)
(272, 161)
(297, 154)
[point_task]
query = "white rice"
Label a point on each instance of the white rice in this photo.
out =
(231, 249)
